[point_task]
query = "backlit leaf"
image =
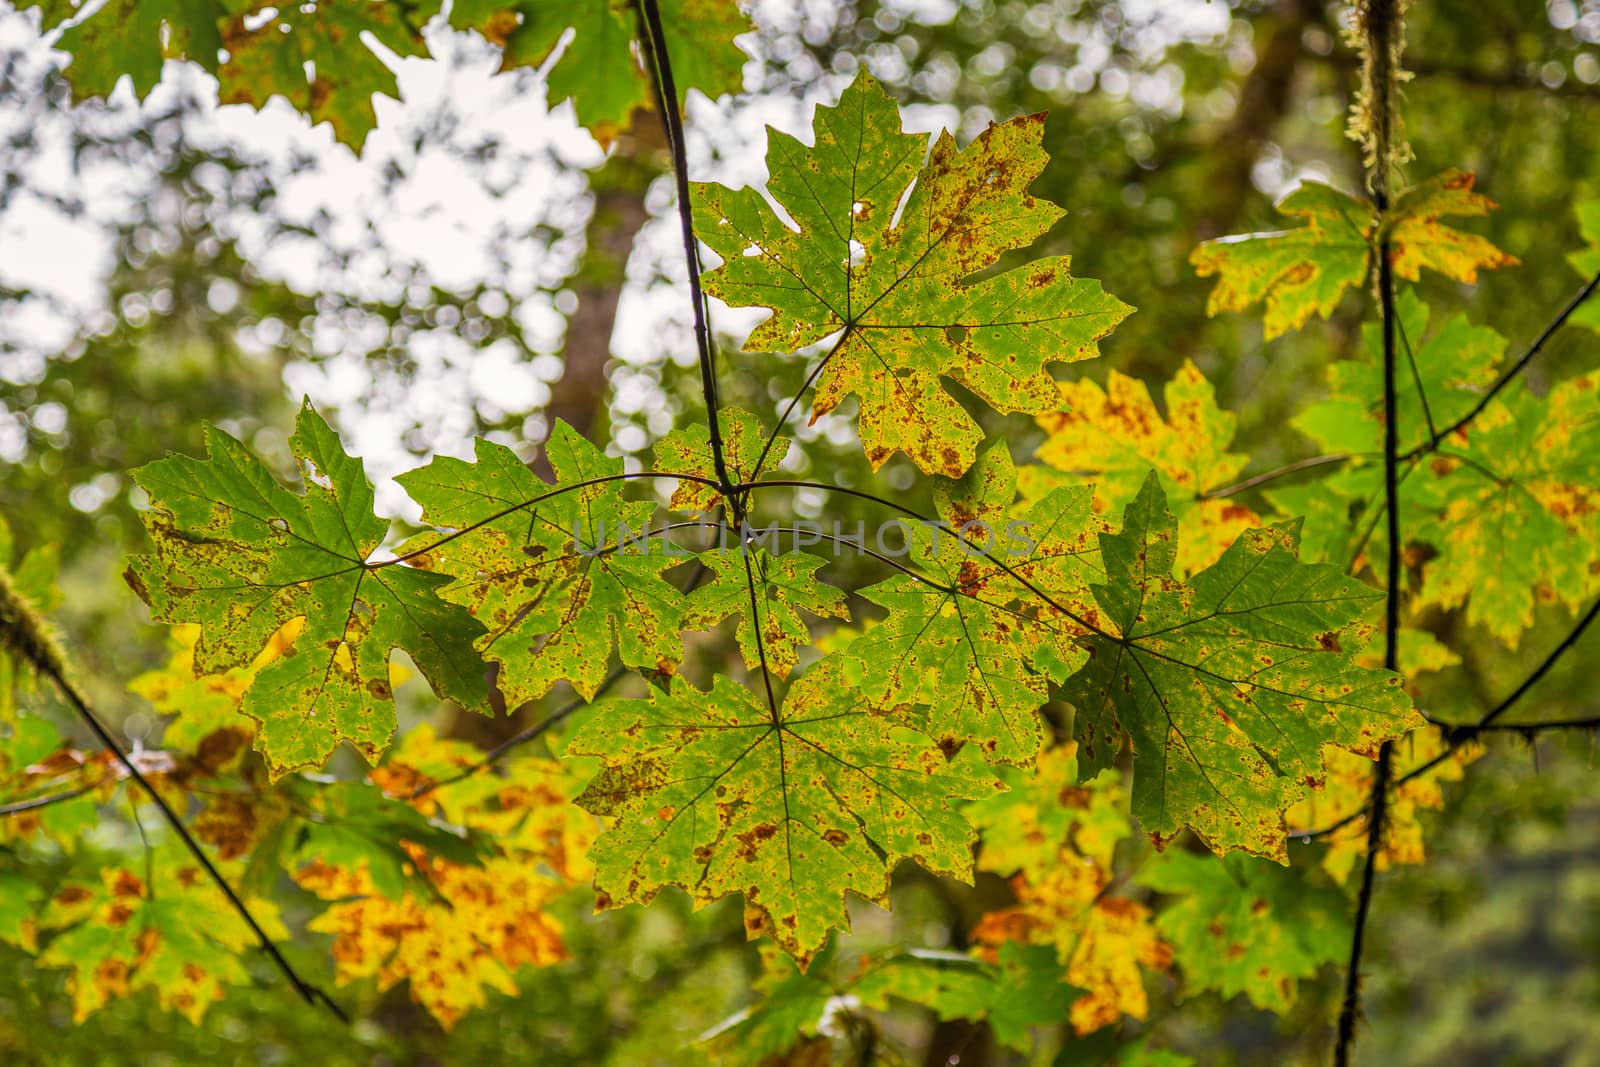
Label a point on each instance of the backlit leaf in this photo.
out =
(1228, 685)
(540, 565)
(716, 793)
(241, 556)
(597, 70)
(1113, 437)
(881, 251)
(784, 584)
(1298, 273)
(1304, 272)
(971, 641)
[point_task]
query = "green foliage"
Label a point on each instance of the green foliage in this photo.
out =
(313, 55)
(717, 793)
(1229, 684)
(540, 566)
(967, 709)
(241, 556)
(1244, 926)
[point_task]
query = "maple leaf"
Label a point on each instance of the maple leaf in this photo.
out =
(124, 935)
(1298, 273)
(1520, 520)
(205, 707)
(783, 584)
(314, 56)
(469, 935)
(1230, 684)
(1304, 272)
(717, 794)
(541, 567)
(1442, 377)
(1417, 239)
(882, 252)
(1348, 792)
(597, 70)
(239, 555)
(1020, 988)
(526, 810)
(969, 639)
(1114, 436)
(1057, 839)
(1242, 925)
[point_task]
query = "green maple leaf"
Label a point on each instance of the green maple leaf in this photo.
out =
(1229, 684)
(1515, 508)
(269, 49)
(241, 556)
(597, 70)
(717, 793)
(1241, 925)
(1304, 272)
(313, 56)
(1022, 989)
(539, 566)
(971, 641)
(1441, 377)
(782, 585)
(1510, 504)
(893, 279)
(1298, 273)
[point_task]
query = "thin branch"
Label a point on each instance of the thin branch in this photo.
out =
(500, 751)
(1279, 472)
(1477, 77)
(1383, 40)
(1457, 735)
(34, 804)
(1463, 735)
(308, 992)
(1511, 372)
(799, 483)
(653, 41)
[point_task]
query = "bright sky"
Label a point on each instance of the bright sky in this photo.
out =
(440, 218)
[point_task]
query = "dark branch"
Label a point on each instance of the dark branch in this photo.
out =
(35, 803)
(1511, 372)
(653, 40)
(310, 993)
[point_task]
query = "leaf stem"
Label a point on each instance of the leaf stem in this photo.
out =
(1278, 472)
(35, 803)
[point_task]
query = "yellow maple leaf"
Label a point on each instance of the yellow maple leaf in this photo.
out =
(484, 924)
(1418, 239)
(1114, 436)
(1060, 837)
